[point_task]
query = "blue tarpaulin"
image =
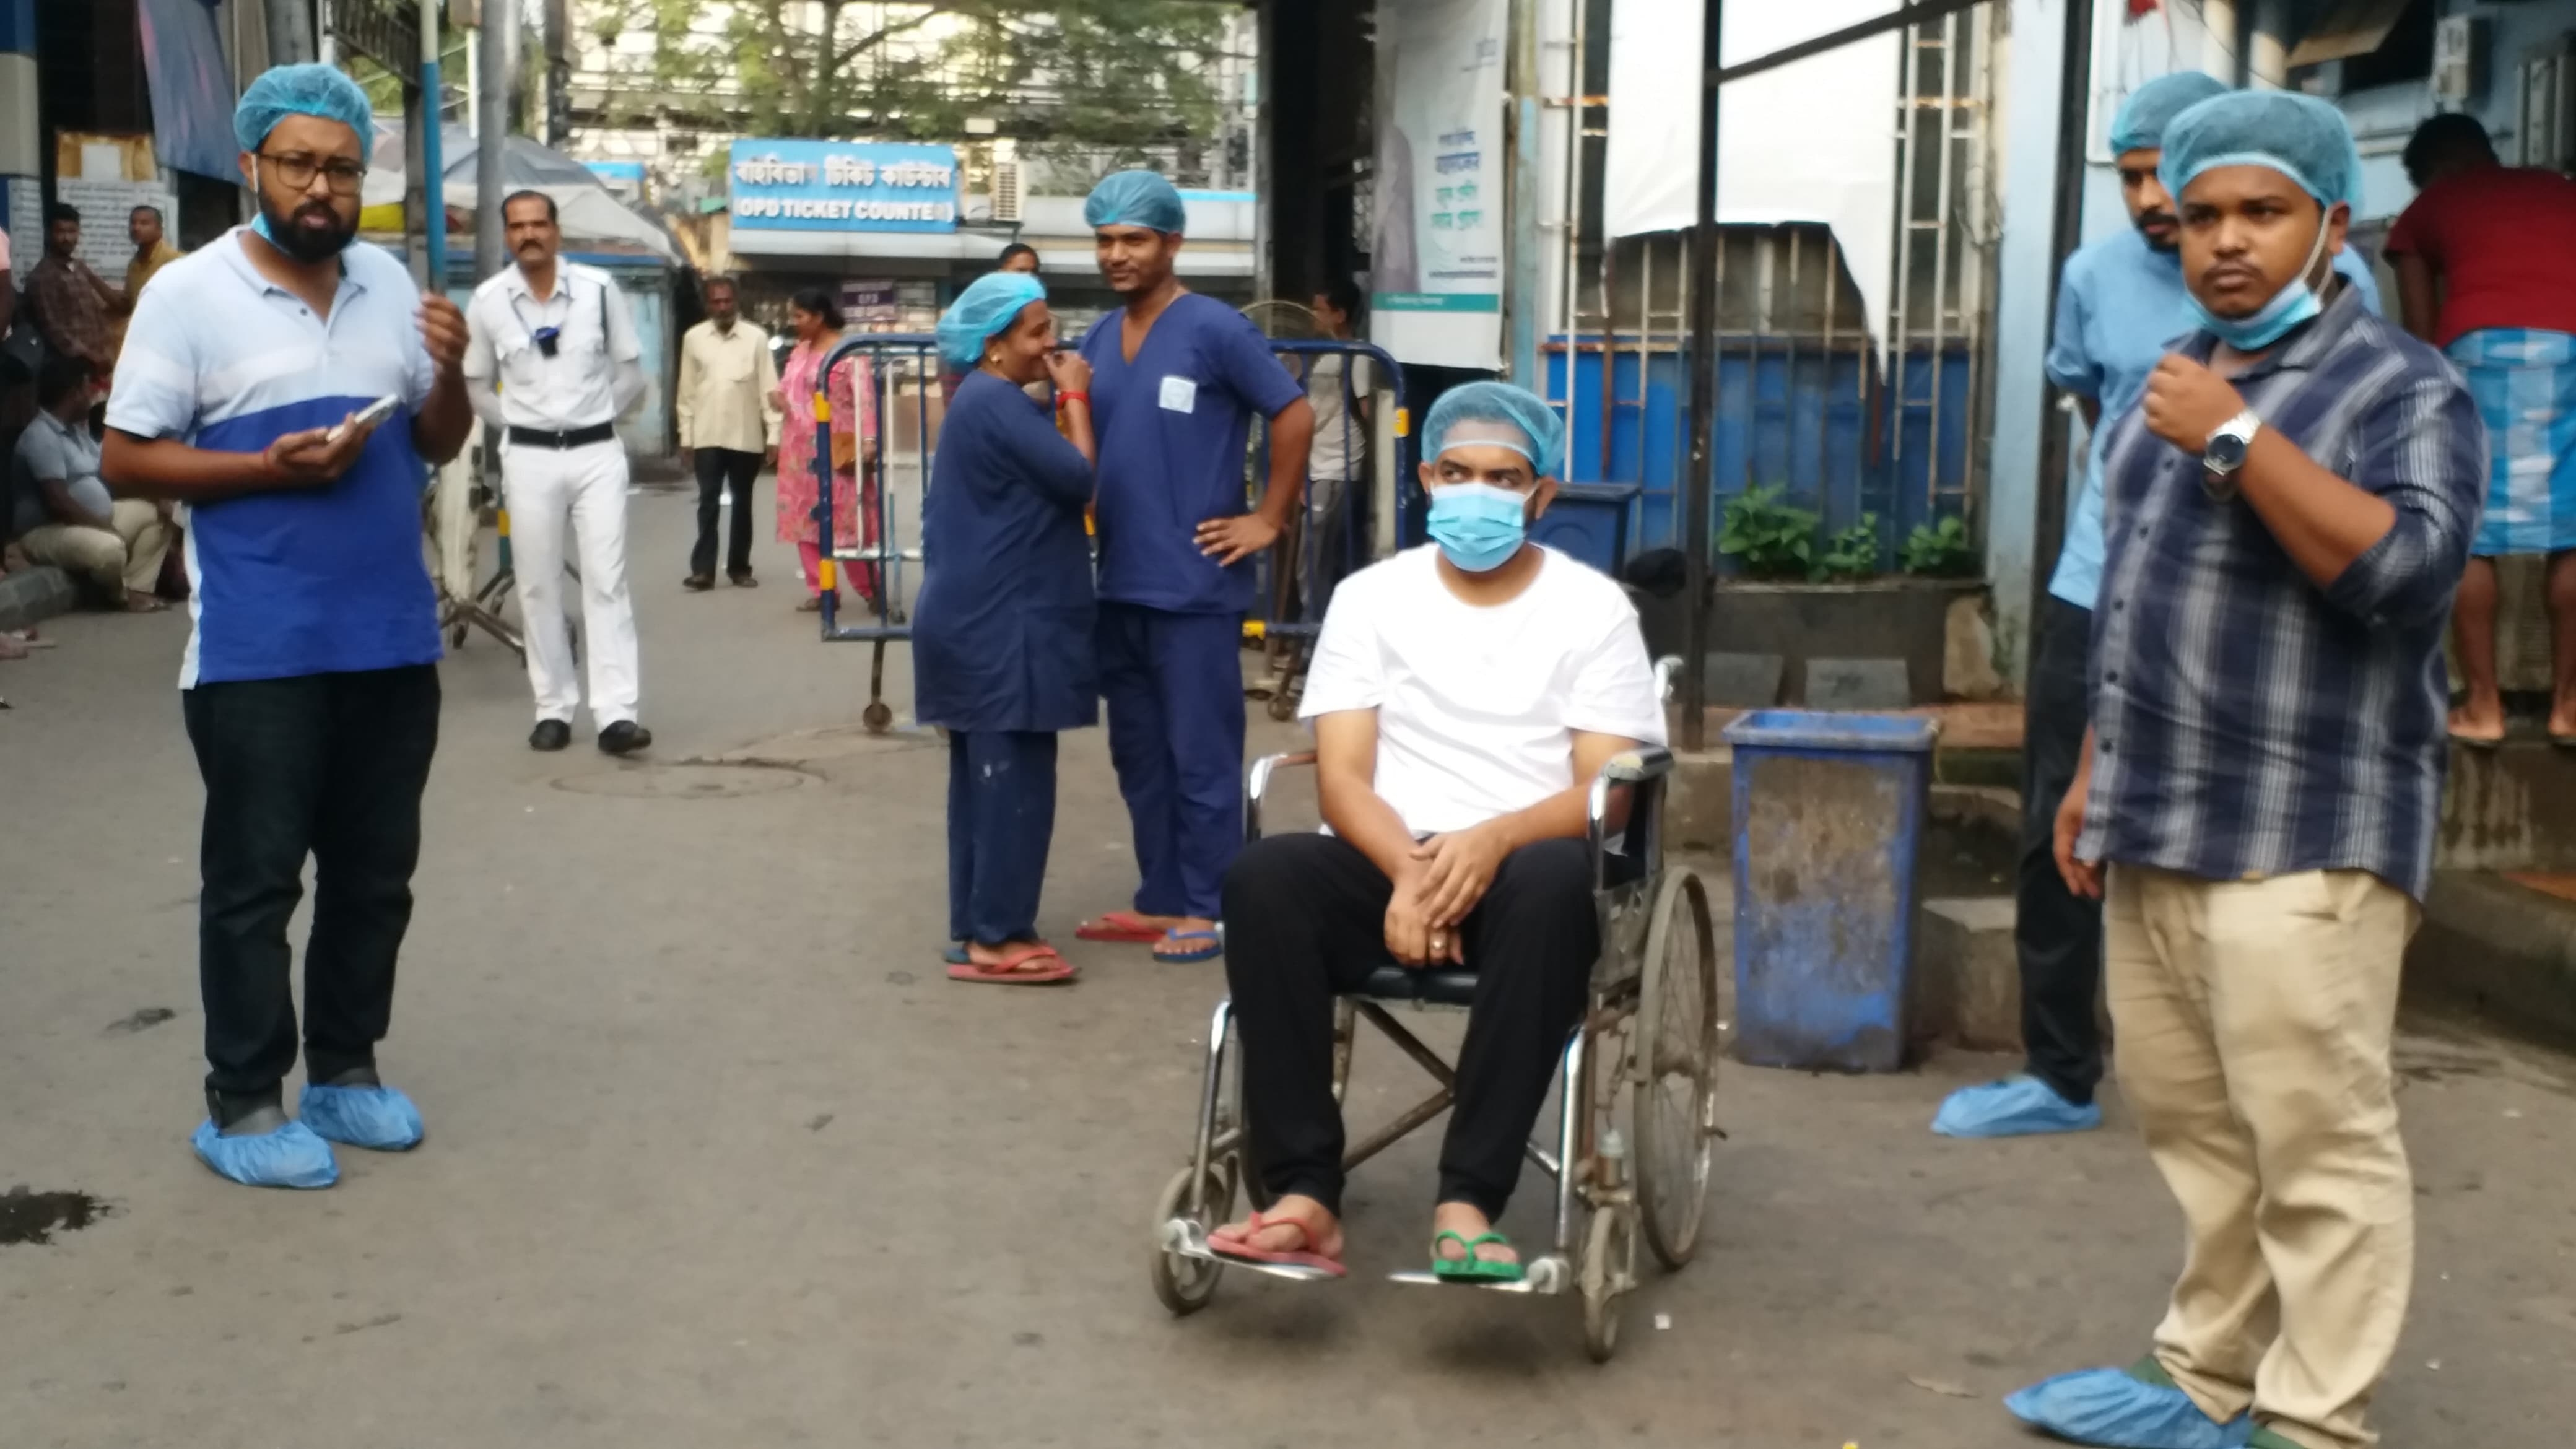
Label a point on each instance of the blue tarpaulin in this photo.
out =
(192, 88)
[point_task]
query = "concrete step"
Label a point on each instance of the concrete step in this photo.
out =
(32, 595)
(2502, 946)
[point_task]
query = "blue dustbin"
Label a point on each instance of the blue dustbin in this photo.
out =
(1829, 812)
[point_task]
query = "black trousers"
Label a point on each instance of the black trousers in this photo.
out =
(330, 766)
(1001, 819)
(718, 469)
(2058, 935)
(1305, 919)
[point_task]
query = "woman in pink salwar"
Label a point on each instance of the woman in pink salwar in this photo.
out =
(815, 320)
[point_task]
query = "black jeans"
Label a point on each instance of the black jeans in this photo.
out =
(2057, 934)
(1305, 919)
(326, 765)
(718, 469)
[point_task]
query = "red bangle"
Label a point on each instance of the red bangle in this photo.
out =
(1068, 397)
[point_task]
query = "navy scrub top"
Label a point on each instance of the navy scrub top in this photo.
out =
(1172, 427)
(1001, 636)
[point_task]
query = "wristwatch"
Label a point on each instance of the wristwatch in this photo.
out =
(2224, 454)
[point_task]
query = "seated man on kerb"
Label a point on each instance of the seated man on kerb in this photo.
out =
(1463, 696)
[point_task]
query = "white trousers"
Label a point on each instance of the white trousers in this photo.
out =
(544, 487)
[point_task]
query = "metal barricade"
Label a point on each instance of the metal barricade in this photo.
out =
(901, 388)
(1327, 540)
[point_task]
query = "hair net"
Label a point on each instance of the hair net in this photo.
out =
(1500, 415)
(2142, 118)
(2301, 137)
(301, 90)
(1136, 198)
(985, 310)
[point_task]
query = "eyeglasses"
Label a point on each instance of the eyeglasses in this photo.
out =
(344, 177)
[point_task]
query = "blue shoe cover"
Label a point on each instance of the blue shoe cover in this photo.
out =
(2013, 1107)
(2117, 1409)
(290, 1156)
(378, 1118)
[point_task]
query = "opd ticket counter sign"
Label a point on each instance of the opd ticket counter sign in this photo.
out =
(842, 186)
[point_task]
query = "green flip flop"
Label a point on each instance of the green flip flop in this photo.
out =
(1467, 1267)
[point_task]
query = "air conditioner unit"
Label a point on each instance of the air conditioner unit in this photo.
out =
(1006, 189)
(2545, 119)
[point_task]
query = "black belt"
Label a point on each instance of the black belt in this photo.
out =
(576, 438)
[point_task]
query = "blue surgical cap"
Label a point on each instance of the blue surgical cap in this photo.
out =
(1136, 198)
(1496, 414)
(2301, 137)
(301, 90)
(2142, 118)
(983, 311)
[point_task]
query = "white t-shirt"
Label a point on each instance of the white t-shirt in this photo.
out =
(1341, 434)
(1477, 708)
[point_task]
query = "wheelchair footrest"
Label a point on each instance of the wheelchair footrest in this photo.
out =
(1547, 1275)
(1189, 1240)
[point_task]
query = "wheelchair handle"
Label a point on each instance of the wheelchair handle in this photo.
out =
(1257, 787)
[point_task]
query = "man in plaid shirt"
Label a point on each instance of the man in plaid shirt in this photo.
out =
(2288, 509)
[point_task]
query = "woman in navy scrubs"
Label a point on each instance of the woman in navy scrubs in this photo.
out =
(1002, 635)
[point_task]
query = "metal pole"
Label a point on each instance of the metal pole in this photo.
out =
(2074, 130)
(433, 156)
(492, 136)
(1700, 478)
(290, 32)
(1521, 248)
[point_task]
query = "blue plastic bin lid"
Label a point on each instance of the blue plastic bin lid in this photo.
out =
(1806, 729)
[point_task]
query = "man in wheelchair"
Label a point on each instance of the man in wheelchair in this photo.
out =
(1463, 696)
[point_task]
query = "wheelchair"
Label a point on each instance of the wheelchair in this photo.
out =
(1637, 1079)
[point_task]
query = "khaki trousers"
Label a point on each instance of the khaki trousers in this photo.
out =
(126, 556)
(2254, 1021)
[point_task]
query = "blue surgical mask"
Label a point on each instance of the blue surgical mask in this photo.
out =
(2292, 305)
(1477, 525)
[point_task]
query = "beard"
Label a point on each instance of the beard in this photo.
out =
(2172, 239)
(307, 244)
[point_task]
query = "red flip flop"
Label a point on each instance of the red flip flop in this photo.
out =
(1246, 1253)
(1007, 972)
(1124, 928)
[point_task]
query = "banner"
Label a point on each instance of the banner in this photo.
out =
(1436, 260)
(842, 186)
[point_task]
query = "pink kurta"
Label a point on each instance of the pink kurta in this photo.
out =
(853, 398)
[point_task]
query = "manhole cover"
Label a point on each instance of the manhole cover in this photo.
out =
(836, 743)
(685, 782)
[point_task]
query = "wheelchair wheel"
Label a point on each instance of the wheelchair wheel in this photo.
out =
(1186, 1284)
(1674, 1074)
(1609, 1270)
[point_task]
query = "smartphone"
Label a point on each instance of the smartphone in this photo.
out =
(368, 416)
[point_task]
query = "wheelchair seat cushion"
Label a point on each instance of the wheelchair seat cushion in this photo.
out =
(1444, 987)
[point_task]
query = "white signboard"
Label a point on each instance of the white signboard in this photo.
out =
(1436, 261)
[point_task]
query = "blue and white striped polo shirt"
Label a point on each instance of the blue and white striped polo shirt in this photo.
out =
(304, 581)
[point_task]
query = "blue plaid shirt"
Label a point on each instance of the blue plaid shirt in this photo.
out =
(2248, 723)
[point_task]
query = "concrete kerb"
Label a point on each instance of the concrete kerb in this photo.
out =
(2503, 949)
(30, 596)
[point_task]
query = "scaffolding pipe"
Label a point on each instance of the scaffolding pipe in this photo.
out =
(433, 159)
(2066, 230)
(1703, 391)
(492, 138)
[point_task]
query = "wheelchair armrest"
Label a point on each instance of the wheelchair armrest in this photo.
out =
(1637, 766)
(1257, 786)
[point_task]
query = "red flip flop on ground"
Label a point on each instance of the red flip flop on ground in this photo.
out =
(1009, 970)
(1124, 928)
(1242, 1251)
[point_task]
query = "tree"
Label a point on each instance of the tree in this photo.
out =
(1103, 76)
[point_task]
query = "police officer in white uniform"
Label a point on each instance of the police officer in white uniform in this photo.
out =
(556, 339)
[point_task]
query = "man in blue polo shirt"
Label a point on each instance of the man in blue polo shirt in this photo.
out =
(2120, 305)
(1176, 380)
(310, 684)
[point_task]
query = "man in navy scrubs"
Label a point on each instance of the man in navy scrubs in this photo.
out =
(1176, 381)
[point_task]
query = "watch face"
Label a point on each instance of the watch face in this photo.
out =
(2225, 453)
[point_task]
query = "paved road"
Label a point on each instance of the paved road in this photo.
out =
(717, 1158)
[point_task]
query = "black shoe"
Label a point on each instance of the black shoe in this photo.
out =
(743, 579)
(698, 583)
(624, 738)
(550, 735)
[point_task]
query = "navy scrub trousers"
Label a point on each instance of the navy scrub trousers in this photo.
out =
(1174, 687)
(1001, 815)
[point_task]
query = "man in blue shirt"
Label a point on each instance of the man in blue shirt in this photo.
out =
(2120, 303)
(1176, 381)
(310, 684)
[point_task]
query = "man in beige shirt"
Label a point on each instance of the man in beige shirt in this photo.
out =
(152, 251)
(728, 427)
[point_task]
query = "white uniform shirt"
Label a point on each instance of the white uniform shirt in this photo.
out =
(575, 388)
(1477, 708)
